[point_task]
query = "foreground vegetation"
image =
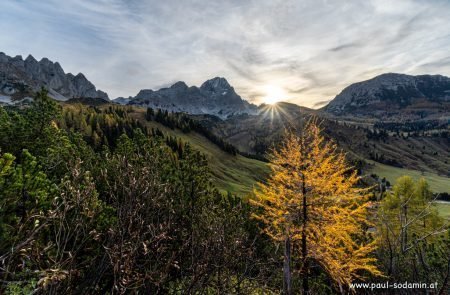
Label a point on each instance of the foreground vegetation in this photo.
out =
(116, 208)
(312, 202)
(94, 201)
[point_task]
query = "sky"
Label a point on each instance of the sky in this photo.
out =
(303, 51)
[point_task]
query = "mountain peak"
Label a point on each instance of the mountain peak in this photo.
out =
(214, 97)
(32, 75)
(215, 84)
(180, 85)
(45, 61)
(391, 93)
(3, 57)
(30, 58)
(80, 76)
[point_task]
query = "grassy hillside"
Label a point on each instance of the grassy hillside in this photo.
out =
(437, 183)
(236, 174)
(255, 133)
(444, 209)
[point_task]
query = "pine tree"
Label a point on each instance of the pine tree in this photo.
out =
(311, 202)
(408, 219)
(25, 197)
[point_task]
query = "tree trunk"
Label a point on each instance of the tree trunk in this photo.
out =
(287, 283)
(404, 229)
(305, 266)
(406, 226)
(445, 282)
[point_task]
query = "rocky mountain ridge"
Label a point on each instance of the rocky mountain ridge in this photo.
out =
(390, 95)
(387, 97)
(214, 97)
(20, 78)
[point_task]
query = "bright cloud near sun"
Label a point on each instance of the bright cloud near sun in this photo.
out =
(274, 94)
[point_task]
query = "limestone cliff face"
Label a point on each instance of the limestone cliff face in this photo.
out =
(19, 78)
(213, 97)
(394, 94)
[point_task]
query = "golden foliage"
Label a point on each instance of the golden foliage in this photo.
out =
(309, 167)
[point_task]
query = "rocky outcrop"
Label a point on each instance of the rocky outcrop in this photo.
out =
(214, 97)
(20, 78)
(394, 94)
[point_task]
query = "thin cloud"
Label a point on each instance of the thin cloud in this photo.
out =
(321, 103)
(299, 90)
(344, 47)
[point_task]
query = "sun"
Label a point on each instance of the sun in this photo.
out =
(273, 94)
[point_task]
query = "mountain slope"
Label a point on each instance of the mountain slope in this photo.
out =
(214, 97)
(233, 173)
(21, 78)
(254, 134)
(257, 134)
(395, 97)
(412, 155)
(239, 174)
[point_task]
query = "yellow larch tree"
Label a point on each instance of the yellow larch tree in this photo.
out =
(311, 202)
